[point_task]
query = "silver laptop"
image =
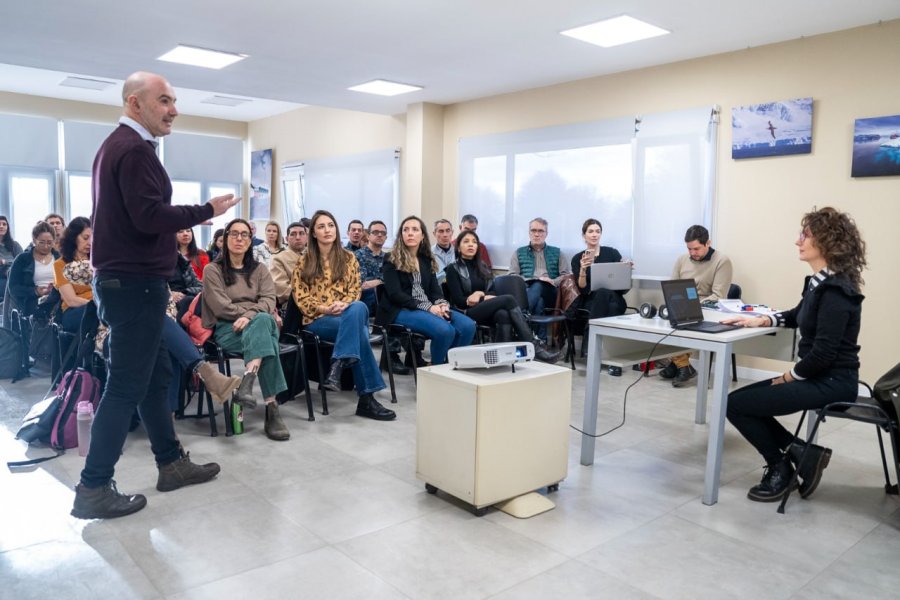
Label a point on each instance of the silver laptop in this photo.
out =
(611, 276)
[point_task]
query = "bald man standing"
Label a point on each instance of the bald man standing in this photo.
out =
(133, 255)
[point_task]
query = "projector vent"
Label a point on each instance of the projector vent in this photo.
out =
(491, 358)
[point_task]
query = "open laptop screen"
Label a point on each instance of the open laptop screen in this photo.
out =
(682, 301)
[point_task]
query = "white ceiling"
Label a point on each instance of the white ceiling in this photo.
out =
(303, 52)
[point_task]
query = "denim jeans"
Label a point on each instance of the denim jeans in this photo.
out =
(752, 409)
(139, 374)
(184, 356)
(458, 331)
(259, 339)
(541, 295)
(71, 318)
(350, 333)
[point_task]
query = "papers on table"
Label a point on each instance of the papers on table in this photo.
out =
(739, 307)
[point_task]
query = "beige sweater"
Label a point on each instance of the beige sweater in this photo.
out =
(230, 303)
(282, 269)
(713, 276)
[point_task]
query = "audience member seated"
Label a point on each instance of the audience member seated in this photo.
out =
(272, 246)
(469, 283)
(326, 290)
(215, 246)
(470, 223)
(355, 233)
(186, 357)
(187, 247)
(413, 296)
(238, 302)
(73, 272)
(371, 273)
(59, 225)
(31, 274)
(599, 303)
(444, 250)
(283, 263)
(184, 285)
(542, 266)
(9, 250)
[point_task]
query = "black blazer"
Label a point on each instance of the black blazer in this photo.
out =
(398, 290)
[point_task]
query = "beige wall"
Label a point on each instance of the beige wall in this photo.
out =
(315, 132)
(850, 74)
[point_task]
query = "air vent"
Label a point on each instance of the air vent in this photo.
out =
(225, 100)
(491, 357)
(86, 83)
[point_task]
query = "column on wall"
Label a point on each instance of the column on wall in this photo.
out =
(423, 162)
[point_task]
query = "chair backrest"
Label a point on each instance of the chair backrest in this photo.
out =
(887, 392)
(514, 286)
(292, 318)
(734, 292)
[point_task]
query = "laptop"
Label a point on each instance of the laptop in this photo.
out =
(683, 304)
(611, 276)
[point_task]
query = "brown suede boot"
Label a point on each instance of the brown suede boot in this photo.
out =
(244, 394)
(275, 427)
(219, 386)
(183, 472)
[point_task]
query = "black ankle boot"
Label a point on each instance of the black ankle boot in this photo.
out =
(810, 471)
(370, 408)
(774, 484)
(332, 381)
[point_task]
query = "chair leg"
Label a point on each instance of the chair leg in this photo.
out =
(413, 362)
(301, 353)
(894, 489)
(733, 368)
(570, 344)
(796, 474)
(322, 372)
(210, 408)
(386, 358)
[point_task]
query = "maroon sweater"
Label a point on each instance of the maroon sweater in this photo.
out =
(134, 221)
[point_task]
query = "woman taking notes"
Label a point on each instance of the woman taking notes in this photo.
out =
(828, 317)
(326, 289)
(600, 303)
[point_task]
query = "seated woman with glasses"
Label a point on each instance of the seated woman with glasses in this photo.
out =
(31, 274)
(469, 283)
(412, 295)
(72, 272)
(599, 303)
(326, 290)
(238, 302)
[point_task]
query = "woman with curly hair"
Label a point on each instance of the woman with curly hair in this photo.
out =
(828, 317)
(72, 273)
(413, 296)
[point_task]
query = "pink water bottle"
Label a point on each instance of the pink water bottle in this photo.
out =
(84, 416)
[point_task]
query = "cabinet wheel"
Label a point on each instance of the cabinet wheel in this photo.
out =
(553, 488)
(430, 488)
(480, 512)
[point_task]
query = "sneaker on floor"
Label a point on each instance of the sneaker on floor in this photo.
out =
(684, 375)
(183, 472)
(105, 502)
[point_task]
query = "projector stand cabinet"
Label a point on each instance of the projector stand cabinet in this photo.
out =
(488, 435)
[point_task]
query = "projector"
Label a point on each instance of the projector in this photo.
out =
(485, 356)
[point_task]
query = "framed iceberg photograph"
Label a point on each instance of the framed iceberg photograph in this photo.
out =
(772, 129)
(260, 184)
(876, 147)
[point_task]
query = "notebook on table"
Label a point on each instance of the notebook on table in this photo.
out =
(611, 276)
(683, 304)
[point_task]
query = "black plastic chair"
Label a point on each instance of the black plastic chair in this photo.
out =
(514, 285)
(866, 409)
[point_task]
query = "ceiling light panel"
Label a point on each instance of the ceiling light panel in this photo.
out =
(86, 83)
(615, 32)
(201, 57)
(383, 87)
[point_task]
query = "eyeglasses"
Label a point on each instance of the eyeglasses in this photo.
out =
(376, 232)
(804, 235)
(239, 235)
(44, 243)
(538, 230)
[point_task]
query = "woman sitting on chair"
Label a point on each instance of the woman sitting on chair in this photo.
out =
(600, 302)
(828, 317)
(326, 290)
(31, 274)
(412, 295)
(187, 247)
(469, 282)
(73, 272)
(238, 300)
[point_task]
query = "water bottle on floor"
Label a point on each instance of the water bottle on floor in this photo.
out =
(84, 418)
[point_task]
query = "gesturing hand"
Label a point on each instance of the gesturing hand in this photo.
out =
(221, 204)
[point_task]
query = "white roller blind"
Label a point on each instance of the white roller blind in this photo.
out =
(198, 157)
(82, 140)
(27, 141)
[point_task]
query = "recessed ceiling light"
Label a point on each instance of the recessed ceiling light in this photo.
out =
(86, 83)
(225, 100)
(384, 88)
(201, 57)
(615, 31)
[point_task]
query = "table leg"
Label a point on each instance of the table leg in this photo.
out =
(702, 386)
(717, 425)
(591, 394)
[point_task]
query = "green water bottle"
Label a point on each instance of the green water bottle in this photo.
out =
(237, 418)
